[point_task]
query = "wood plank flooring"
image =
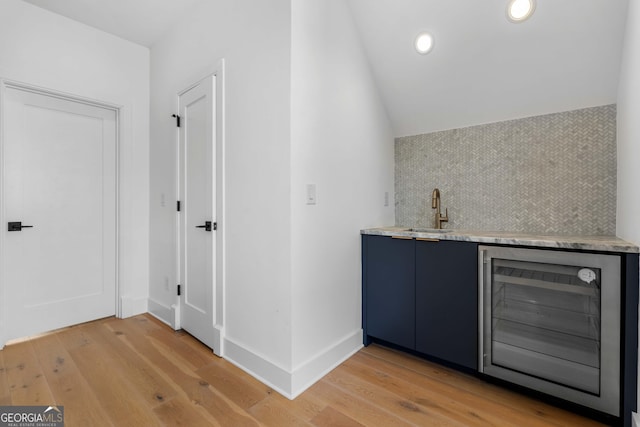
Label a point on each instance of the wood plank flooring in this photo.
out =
(139, 372)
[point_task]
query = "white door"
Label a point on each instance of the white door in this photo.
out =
(59, 198)
(197, 223)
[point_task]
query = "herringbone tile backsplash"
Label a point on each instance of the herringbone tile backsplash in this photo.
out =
(547, 174)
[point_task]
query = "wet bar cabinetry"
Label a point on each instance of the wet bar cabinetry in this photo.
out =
(422, 295)
(389, 295)
(446, 296)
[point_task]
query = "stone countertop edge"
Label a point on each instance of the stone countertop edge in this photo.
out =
(590, 243)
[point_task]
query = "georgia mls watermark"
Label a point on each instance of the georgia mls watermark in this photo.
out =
(31, 416)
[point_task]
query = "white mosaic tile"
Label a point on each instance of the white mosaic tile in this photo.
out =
(547, 174)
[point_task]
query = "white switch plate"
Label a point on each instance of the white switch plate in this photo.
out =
(311, 194)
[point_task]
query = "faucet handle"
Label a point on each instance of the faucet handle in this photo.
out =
(444, 218)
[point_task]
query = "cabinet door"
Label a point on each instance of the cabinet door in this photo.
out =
(447, 301)
(389, 290)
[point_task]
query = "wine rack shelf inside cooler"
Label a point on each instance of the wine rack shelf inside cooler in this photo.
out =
(545, 315)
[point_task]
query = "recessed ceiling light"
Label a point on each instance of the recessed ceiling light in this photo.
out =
(424, 43)
(520, 10)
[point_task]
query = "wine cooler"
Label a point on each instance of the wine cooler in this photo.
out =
(550, 321)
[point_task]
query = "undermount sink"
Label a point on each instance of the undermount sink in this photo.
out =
(430, 230)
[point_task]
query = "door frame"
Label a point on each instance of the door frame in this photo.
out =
(7, 83)
(216, 70)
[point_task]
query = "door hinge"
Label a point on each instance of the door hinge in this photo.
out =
(178, 205)
(179, 290)
(177, 119)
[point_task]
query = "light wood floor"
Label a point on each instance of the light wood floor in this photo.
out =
(139, 372)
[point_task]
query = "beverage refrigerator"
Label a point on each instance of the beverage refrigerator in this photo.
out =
(550, 321)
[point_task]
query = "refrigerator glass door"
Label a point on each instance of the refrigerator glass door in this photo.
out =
(551, 321)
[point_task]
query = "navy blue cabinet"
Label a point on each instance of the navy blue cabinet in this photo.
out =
(422, 295)
(389, 294)
(447, 301)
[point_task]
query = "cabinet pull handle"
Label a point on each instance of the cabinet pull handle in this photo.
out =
(426, 239)
(402, 237)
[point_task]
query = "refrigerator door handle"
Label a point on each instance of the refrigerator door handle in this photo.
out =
(481, 255)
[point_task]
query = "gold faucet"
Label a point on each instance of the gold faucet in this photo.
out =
(435, 204)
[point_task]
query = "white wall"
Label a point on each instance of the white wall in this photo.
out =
(341, 140)
(301, 107)
(253, 37)
(628, 226)
(43, 49)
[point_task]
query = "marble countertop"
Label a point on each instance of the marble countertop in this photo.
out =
(591, 243)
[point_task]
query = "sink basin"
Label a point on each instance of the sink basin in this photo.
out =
(430, 230)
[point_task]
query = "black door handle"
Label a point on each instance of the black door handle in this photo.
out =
(17, 226)
(206, 226)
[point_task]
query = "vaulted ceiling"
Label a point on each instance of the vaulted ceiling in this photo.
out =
(482, 69)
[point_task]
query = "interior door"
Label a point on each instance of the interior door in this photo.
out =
(59, 197)
(197, 222)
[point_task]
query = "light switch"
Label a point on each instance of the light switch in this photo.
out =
(311, 194)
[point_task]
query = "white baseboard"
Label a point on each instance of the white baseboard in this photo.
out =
(132, 306)
(292, 383)
(161, 312)
(160, 320)
(308, 373)
(171, 316)
(265, 371)
(218, 341)
(176, 317)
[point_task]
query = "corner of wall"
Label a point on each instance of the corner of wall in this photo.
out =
(288, 383)
(132, 306)
(349, 198)
(164, 313)
(258, 366)
(309, 372)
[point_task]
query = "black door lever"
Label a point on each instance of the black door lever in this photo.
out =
(206, 226)
(17, 226)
